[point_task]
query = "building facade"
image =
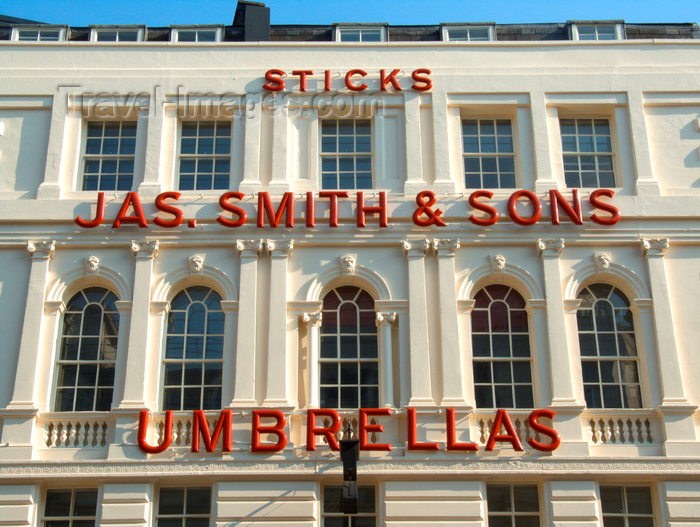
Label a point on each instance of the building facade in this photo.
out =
(473, 247)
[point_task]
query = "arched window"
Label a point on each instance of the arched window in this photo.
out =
(88, 352)
(349, 361)
(608, 348)
(501, 349)
(194, 351)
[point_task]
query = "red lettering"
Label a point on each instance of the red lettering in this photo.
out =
(276, 429)
(538, 427)
(200, 426)
(413, 444)
(310, 210)
(333, 195)
(302, 77)
(327, 80)
(607, 207)
(143, 429)
(381, 210)
(99, 214)
(384, 79)
(536, 207)
(503, 419)
(556, 200)
(328, 432)
(365, 428)
(488, 209)
(139, 218)
(348, 80)
(452, 443)
(163, 207)
(421, 81)
(274, 80)
(224, 204)
(265, 207)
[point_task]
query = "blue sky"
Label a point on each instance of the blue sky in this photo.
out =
(161, 13)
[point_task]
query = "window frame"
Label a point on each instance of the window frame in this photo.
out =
(575, 34)
(86, 123)
(447, 29)
(626, 515)
(70, 519)
(512, 359)
(512, 513)
(642, 381)
(614, 154)
(58, 362)
(196, 156)
(339, 29)
(96, 30)
(515, 154)
(184, 516)
(62, 32)
(337, 154)
(338, 360)
(183, 361)
(351, 523)
(175, 32)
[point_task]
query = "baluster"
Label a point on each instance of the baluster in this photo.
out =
(647, 425)
(188, 432)
(160, 431)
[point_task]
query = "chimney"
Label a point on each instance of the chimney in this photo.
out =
(254, 18)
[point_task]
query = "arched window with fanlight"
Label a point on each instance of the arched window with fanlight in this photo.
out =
(194, 351)
(501, 349)
(608, 348)
(349, 357)
(88, 351)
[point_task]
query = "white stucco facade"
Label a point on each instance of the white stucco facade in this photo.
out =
(423, 279)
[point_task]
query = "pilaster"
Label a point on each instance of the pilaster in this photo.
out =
(564, 373)
(313, 326)
(246, 341)
(450, 349)
(385, 321)
(279, 367)
(137, 371)
(419, 350)
(675, 407)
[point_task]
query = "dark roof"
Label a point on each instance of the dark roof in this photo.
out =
(12, 21)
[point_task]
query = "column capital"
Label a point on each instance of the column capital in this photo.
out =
(159, 307)
(550, 248)
(312, 319)
(41, 250)
(54, 307)
(145, 250)
(415, 247)
(571, 305)
(124, 306)
(445, 247)
(654, 246)
(386, 319)
(249, 248)
(534, 305)
(280, 249)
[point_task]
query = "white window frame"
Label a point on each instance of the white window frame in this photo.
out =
(62, 31)
(445, 31)
(176, 30)
(197, 157)
(96, 30)
(626, 515)
(350, 518)
(337, 155)
(71, 518)
(513, 514)
(613, 154)
(338, 30)
(479, 118)
(574, 31)
(101, 156)
(185, 515)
